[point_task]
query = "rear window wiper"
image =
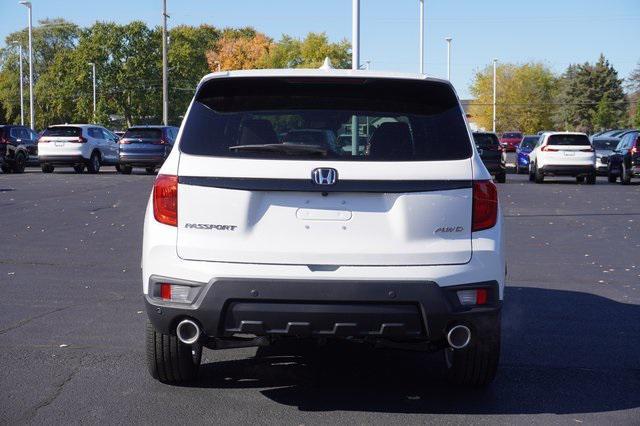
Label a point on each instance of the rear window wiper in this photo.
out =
(284, 148)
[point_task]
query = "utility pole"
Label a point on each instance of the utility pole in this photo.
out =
(93, 65)
(32, 114)
(421, 43)
(495, 61)
(165, 70)
(448, 39)
(355, 65)
(21, 87)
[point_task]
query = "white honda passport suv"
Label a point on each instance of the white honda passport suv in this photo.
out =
(252, 236)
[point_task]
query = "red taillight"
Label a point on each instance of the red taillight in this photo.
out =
(124, 141)
(165, 199)
(160, 142)
(3, 141)
(82, 139)
(485, 205)
(587, 150)
(634, 150)
(549, 149)
(481, 296)
(165, 291)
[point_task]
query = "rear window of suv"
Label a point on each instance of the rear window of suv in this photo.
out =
(143, 134)
(486, 140)
(63, 131)
(568, 140)
(293, 118)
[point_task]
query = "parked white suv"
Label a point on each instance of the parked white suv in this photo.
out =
(563, 154)
(77, 145)
(399, 244)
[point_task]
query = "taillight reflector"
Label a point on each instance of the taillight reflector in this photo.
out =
(165, 199)
(165, 291)
(485, 205)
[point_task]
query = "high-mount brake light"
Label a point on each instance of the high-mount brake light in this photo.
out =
(485, 205)
(165, 199)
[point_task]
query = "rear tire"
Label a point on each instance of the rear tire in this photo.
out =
(531, 173)
(150, 170)
(125, 170)
(625, 176)
(579, 179)
(169, 360)
(477, 364)
(93, 166)
(78, 168)
(591, 178)
(501, 178)
(19, 163)
(538, 175)
(6, 168)
(47, 168)
(611, 177)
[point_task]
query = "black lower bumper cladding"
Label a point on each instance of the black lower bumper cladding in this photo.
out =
(395, 310)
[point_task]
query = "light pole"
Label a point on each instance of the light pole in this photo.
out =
(21, 87)
(32, 114)
(165, 71)
(93, 66)
(495, 61)
(448, 39)
(355, 64)
(421, 18)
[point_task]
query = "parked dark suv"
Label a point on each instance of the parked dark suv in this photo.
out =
(18, 148)
(624, 163)
(491, 153)
(145, 146)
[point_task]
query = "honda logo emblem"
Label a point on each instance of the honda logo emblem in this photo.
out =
(324, 176)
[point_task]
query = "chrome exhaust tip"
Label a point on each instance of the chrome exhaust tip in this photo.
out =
(188, 332)
(459, 336)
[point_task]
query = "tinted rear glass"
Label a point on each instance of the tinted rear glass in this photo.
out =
(529, 142)
(609, 144)
(395, 120)
(63, 131)
(512, 135)
(143, 134)
(568, 140)
(486, 139)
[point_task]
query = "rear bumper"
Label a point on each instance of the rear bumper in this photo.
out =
(396, 310)
(62, 159)
(141, 160)
(568, 170)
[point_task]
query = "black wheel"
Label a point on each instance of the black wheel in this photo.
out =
(611, 177)
(150, 170)
(591, 178)
(538, 175)
(6, 168)
(531, 173)
(501, 178)
(47, 168)
(579, 179)
(19, 163)
(125, 170)
(625, 176)
(93, 166)
(169, 360)
(79, 168)
(477, 364)
(118, 168)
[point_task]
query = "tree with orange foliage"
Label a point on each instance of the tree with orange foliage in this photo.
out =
(239, 51)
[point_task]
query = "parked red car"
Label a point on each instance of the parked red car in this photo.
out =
(511, 140)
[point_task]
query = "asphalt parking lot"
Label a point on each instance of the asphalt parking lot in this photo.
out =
(72, 322)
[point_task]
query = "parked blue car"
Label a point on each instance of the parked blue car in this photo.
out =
(522, 153)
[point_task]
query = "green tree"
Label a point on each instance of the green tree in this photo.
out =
(604, 117)
(525, 96)
(636, 117)
(51, 37)
(583, 87)
(309, 52)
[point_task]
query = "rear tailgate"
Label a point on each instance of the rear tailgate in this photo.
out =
(243, 217)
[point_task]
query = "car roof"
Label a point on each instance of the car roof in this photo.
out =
(331, 72)
(75, 125)
(149, 126)
(563, 133)
(484, 133)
